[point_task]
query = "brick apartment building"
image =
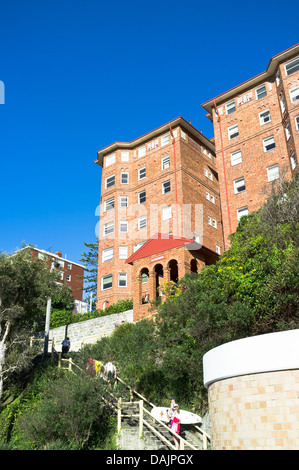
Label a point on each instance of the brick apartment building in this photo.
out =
(163, 211)
(256, 128)
(160, 212)
(70, 273)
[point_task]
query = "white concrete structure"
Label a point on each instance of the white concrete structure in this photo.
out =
(256, 354)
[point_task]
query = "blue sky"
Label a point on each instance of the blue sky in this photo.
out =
(80, 75)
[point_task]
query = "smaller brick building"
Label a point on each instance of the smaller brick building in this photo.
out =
(161, 259)
(70, 273)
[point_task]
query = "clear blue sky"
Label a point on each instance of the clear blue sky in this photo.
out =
(80, 75)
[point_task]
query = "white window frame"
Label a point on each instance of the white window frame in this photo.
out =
(124, 276)
(124, 201)
(287, 131)
(141, 196)
(293, 160)
(212, 199)
(165, 139)
(240, 210)
(262, 118)
(123, 226)
(166, 213)
(141, 173)
(275, 169)
(142, 222)
(163, 187)
(297, 122)
(102, 281)
(236, 157)
(121, 177)
(69, 265)
(109, 204)
(295, 67)
(107, 254)
(141, 151)
(122, 252)
(124, 155)
(258, 91)
(268, 139)
(239, 183)
(218, 250)
(294, 95)
(108, 228)
(165, 163)
(277, 77)
(212, 222)
(231, 133)
(106, 181)
(230, 107)
(183, 134)
(68, 277)
(110, 159)
(282, 103)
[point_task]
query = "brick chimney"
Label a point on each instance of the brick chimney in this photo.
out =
(58, 253)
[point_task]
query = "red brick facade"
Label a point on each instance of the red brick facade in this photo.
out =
(265, 144)
(170, 185)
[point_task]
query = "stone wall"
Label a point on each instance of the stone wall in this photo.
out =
(253, 388)
(88, 331)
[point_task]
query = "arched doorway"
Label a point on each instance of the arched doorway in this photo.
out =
(173, 270)
(158, 269)
(193, 266)
(144, 276)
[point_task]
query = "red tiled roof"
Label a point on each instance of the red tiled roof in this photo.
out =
(157, 244)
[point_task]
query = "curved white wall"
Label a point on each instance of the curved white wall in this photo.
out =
(263, 353)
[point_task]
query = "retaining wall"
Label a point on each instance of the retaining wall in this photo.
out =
(88, 331)
(253, 388)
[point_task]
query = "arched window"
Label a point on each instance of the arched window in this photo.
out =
(174, 270)
(105, 304)
(193, 266)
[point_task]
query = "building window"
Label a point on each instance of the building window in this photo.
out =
(164, 140)
(107, 282)
(165, 163)
(230, 107)
(166, 187)
(210, 197)
(269, 143)
(141, 151)
(107, 254)
(166, 213)
(265, 117)
(212, 222)
(293, 161)
(109, 181)
(239, 185)
(297, 122)
(144, 278)
(282, 104)
(141, 222)
(122, 279)
(260, 92)
(294, 94)
(218, 250)
(122, 252)
(141, 197)
(273, 172)
(108, 229)
(41, 256)
(124, 178)
(110, 159)
(124, 200)
(241, 212)
(69, 265)
(292, 66)
(233, 131)
(123, 226)
(109, 204)
(208, 174)
(138, 245)
(141, 173)
(183, 134)
(277, 78)
(236, 157)
(287, 131)
(68, 277)
(124, 155)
